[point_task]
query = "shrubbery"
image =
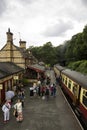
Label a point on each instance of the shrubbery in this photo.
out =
(80, 66)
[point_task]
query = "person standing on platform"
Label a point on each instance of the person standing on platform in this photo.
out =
(54, 90)
(18, 107)
(51, 89)
(35, 89)
(31, 91)
(21, 96)
(6, 111)
(47, 92)
(39, 88)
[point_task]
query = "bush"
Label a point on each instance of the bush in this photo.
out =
(80, 66)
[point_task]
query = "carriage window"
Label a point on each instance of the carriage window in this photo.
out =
(66, 81)
(86, 94)
(83, 92)
(63, 79)
(85, 101)
(69, 84)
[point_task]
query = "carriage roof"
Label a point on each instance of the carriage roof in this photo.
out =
(60, 68)
(76, 77)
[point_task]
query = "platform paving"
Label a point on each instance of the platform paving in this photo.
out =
(39, 114)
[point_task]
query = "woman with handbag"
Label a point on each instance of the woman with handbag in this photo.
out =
(18, 111)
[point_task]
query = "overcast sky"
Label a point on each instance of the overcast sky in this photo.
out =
(41, 21)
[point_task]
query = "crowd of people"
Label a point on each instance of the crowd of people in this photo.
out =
(41, 89)
(17, 107)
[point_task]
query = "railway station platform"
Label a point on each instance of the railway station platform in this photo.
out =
(52, 114)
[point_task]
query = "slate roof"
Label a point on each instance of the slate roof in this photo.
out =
(25, 53)
(8, 68)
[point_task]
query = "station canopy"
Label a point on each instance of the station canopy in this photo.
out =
(37, 68)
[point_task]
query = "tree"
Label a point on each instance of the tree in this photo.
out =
(45, 53)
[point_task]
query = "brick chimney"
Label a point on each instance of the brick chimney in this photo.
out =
(9, 36)
(22, 44)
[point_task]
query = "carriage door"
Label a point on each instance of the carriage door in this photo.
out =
(75, 93)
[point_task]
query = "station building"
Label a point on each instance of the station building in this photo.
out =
(18, 55)
(13, 62)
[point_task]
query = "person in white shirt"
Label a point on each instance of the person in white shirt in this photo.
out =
(18, 107)
(34, 89)
(6, 110)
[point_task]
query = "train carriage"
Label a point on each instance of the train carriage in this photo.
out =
(57, 70)
(83, 104)
(75, 86)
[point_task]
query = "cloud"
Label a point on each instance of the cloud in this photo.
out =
(84, 2)
(41, 20)
(59, 29)
(27, 1)
(2, 6)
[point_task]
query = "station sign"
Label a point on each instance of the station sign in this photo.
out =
(15, 77)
